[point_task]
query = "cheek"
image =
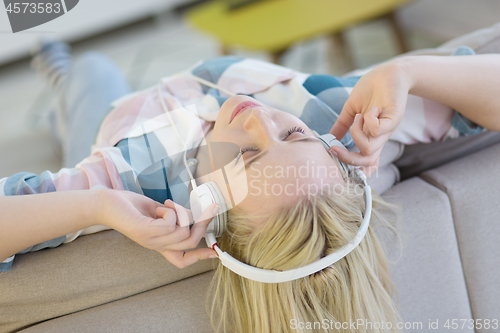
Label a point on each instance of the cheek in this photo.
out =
(216, 133)
(271, 190)
(233, 181)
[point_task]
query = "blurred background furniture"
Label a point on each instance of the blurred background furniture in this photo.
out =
(275, 25)
(90, 18)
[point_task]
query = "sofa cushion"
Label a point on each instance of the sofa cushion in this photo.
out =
(179, 307)
(485, 40)
(473, 186)
(90, 271)
(428, 274)
(425, 156)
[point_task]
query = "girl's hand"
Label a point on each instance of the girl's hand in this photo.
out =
(374, 108)
(163, 228)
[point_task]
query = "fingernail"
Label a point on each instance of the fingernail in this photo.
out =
(356, 117)
(213, 256)
(333, 152)
(216, 209)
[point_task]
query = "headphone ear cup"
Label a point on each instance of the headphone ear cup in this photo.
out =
(328, 141)
(220, 220)
(202, 197)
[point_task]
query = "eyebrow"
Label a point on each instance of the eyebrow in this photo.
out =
(258, 156)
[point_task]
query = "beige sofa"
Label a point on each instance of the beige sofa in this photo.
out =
(446, 268)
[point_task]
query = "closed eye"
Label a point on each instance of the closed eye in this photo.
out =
(244, 150)
(292, 130)
(295, 129)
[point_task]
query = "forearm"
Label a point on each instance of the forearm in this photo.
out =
(27, 220)
(468, 84)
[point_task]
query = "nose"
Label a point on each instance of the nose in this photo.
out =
(260, 125)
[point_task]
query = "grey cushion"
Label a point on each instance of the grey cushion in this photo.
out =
(422, 157)
(473, 186)
(485, 40)
(178, 307)
(90, 271)
(429, 274)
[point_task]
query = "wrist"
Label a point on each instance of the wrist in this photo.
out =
(100, 200)
(406, 67)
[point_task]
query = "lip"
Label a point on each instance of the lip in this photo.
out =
(242, 107)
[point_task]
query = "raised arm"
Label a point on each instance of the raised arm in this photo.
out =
(468, 84)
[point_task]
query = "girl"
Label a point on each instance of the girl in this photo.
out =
(277, 230)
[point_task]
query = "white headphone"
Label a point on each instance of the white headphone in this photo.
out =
(208, 193)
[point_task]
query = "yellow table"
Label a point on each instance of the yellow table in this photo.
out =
(275, 25)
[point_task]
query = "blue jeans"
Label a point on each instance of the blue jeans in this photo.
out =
(94, 82)
(464, 126)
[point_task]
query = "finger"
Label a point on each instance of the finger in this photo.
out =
(154, 229)
(164, 225)
(371, 120)
(208, 214)
(367, 145)
(343, 122)
(169, 204)
(197, 231)
(167, 241)
(182, 259)
(360, 138)
(169, 216)
(184, 216)
(161, 211)
(368, 171)
(356, 159)
(383, 123)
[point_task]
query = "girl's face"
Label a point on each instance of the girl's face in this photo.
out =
(283, 160)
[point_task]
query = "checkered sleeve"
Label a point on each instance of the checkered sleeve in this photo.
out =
(96, 171)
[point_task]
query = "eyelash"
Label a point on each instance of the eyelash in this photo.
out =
(288, 133)
(293, 130)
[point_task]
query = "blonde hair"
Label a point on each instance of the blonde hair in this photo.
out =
(356, 287)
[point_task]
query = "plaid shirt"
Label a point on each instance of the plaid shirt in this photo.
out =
(137, 149)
